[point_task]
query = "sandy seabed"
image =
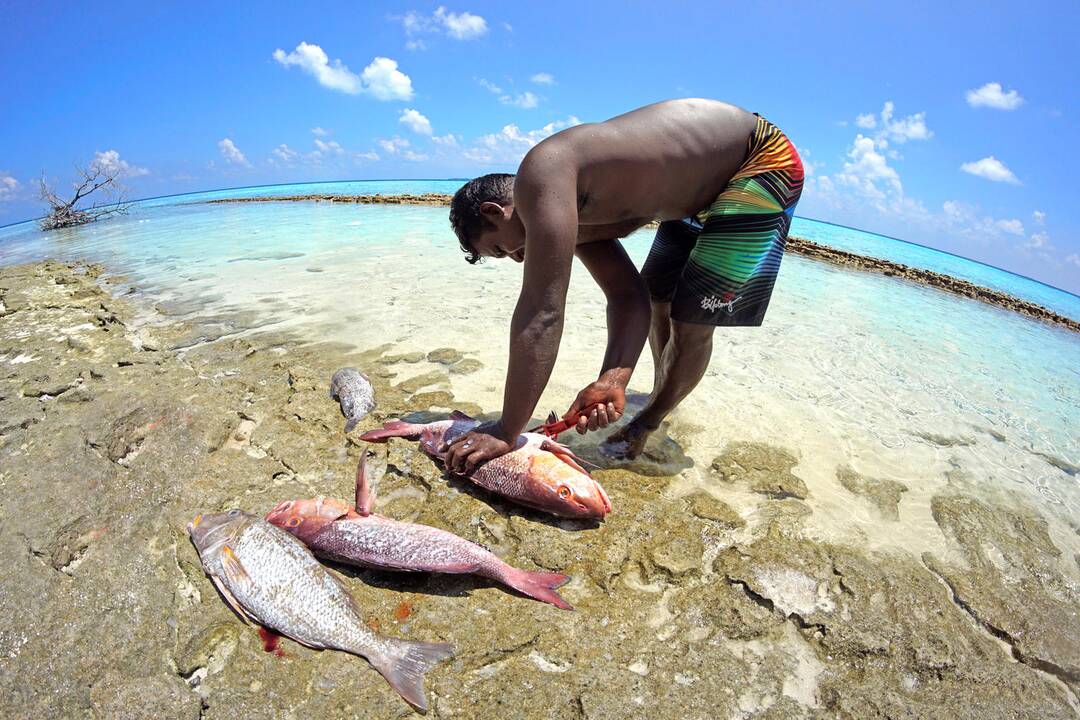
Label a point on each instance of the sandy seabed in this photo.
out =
(115, 433)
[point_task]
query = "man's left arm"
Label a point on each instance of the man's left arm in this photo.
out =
(628, 316)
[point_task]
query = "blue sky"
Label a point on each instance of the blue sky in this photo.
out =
(948, 124)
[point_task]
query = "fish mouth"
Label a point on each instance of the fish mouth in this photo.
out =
(603, 498)
(194, 523)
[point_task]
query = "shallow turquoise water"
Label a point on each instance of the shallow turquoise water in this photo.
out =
(849, 369)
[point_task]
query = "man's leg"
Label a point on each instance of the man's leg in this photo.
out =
(659, 332)
(683, 362)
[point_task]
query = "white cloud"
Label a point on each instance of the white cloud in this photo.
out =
(284, 154)
(231, 153)
(448, 140)
(488, 85)
(1074, 259)
(330, 147)
(416, 122)
(109, 161)
(992, 169)
(414, 156)
(381, 79)
(384, 81)
(965, 220)
(461, 26)
(1039, 240)
(393, 145)
(868, 173)
(510, 144)
(314, 61)
(524, 100)
(8, 187)
(1012, 227)
(543, 78)
(1039, 217)
(319, 132)
(991, 95)
(899, 130)
(912, 127)
(367, 156)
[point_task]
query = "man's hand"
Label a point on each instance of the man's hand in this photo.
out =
(484, 443)
(610, 398)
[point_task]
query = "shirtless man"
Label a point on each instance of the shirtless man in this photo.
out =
(722, 182)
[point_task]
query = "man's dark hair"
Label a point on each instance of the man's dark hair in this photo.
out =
(465, 215)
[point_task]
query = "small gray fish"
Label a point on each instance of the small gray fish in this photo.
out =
(353, 390)
(270, 577)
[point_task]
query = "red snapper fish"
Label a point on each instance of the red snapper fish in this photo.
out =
(538, 473)
(334, 530)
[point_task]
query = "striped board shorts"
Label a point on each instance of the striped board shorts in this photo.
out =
(719, 267)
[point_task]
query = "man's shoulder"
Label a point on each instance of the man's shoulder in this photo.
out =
(546, 163)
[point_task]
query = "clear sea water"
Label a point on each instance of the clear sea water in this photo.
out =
(898, 381)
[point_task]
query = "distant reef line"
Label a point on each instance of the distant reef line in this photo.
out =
(797, 245)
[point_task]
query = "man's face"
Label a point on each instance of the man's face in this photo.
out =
(503, 234)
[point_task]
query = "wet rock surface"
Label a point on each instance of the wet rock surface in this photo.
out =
(1013, 584)
(884, 494)
(684, 607)
(766, 470)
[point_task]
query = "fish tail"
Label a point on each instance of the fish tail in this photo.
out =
(405, 666)
(392, 429)
(537, 585)
(351, 424)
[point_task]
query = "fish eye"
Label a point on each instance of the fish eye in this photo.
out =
(294, 521)
(564, 492)
(233, 513)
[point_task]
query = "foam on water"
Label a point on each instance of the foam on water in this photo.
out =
(898, 381)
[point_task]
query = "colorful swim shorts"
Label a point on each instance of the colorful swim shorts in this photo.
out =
(719, 268)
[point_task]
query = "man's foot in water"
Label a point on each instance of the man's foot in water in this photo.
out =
(628, 442)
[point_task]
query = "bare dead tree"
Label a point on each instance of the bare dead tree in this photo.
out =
(94, 178)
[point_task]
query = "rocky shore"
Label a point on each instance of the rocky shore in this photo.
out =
(114, 434)
(801, 246)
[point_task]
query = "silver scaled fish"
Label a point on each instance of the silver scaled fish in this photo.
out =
(271, 578)
(352, 389)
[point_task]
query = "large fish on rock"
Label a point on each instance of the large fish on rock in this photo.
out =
(269, 577)
(352, 389)
(538, 473)
(336, 531)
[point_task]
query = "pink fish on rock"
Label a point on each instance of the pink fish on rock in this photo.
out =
(332, 529)
(538, 473)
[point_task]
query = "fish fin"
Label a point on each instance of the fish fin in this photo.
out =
(553, 417)
(365, 495)
(537, 585)
(351, 424)
(234, 569)
(231, 601)
(565, 454)
(458, 415)
(392, 429)
(404, 667)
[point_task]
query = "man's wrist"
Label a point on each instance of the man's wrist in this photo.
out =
(501, 433)
(619, 377)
